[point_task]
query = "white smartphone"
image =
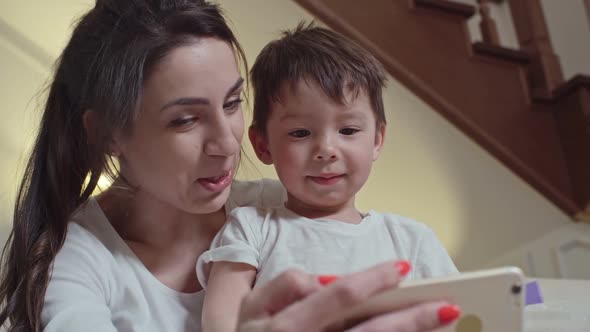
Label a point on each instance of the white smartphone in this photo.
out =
(490, 300)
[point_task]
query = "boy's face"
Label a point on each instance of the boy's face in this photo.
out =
(322, 150)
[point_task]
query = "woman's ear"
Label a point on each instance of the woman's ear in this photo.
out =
(379, 140)
(260, 144)
(92, 124)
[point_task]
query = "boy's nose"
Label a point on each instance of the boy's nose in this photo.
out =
(321, 156)
(325, 151)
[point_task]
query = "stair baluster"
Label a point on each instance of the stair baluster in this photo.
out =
(489, 31)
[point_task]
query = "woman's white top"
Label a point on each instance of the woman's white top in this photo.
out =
(98, 284)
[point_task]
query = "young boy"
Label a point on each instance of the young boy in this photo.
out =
(319, 119)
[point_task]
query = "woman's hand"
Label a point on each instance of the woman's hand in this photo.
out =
(296, 301)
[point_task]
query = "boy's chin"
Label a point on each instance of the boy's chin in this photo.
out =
(327, 204)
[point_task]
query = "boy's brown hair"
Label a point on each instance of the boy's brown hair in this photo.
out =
(313, 53)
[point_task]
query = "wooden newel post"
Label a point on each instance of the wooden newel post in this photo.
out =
(545, 73)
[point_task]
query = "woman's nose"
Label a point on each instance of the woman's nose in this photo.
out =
(222, 141)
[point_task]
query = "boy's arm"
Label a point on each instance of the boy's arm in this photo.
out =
(228, 284)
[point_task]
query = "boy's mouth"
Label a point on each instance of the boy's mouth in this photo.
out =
(327, 179)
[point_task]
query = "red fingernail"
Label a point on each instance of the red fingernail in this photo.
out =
(403, 267)
(448, 313)
(327, 279)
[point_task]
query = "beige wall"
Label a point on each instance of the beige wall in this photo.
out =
(428, 170)
(569, 29)
(21, 77)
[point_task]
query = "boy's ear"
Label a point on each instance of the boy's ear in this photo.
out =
(260, 145)
(379, 140)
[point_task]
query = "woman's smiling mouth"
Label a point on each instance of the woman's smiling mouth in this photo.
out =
(217, 183)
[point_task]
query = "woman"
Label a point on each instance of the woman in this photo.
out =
(154, 85)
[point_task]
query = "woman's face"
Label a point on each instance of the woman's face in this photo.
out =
(184, 146)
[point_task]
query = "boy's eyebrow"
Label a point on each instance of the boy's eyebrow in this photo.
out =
(183, 101)
(354, 115)
(287, 116)
(344, 115)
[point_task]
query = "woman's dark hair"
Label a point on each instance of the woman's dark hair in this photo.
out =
(111, 52)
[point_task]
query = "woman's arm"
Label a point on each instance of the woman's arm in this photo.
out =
(228, 284)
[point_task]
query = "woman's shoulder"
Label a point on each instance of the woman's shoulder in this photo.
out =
(264, 193)
(89, 224)
(84, 264)
(90, 240)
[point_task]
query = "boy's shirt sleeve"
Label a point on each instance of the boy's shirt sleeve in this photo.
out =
(432, 259)
(239, 241)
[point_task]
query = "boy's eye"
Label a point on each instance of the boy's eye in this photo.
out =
(348, 131)
(183, 121)
(299, 133)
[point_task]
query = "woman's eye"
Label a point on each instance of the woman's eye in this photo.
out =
(299, 133)
(232, 105)
(348, 131)
(183, 121)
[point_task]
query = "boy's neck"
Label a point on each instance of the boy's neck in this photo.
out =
(346, 212)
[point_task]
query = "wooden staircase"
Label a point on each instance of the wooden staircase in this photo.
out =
(487, 91)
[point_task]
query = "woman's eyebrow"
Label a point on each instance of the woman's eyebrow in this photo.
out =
(234, 87)
(184, 101)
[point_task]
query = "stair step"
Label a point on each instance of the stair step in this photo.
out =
(564, 89)
(509, 54)
(572, 85)
(450, 7)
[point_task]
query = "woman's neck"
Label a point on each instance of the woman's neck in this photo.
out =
(140, 217)
(166, 240)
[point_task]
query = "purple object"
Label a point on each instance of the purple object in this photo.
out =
(533, 293)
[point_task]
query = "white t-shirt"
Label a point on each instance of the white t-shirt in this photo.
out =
(276, 239)
(98, 284)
